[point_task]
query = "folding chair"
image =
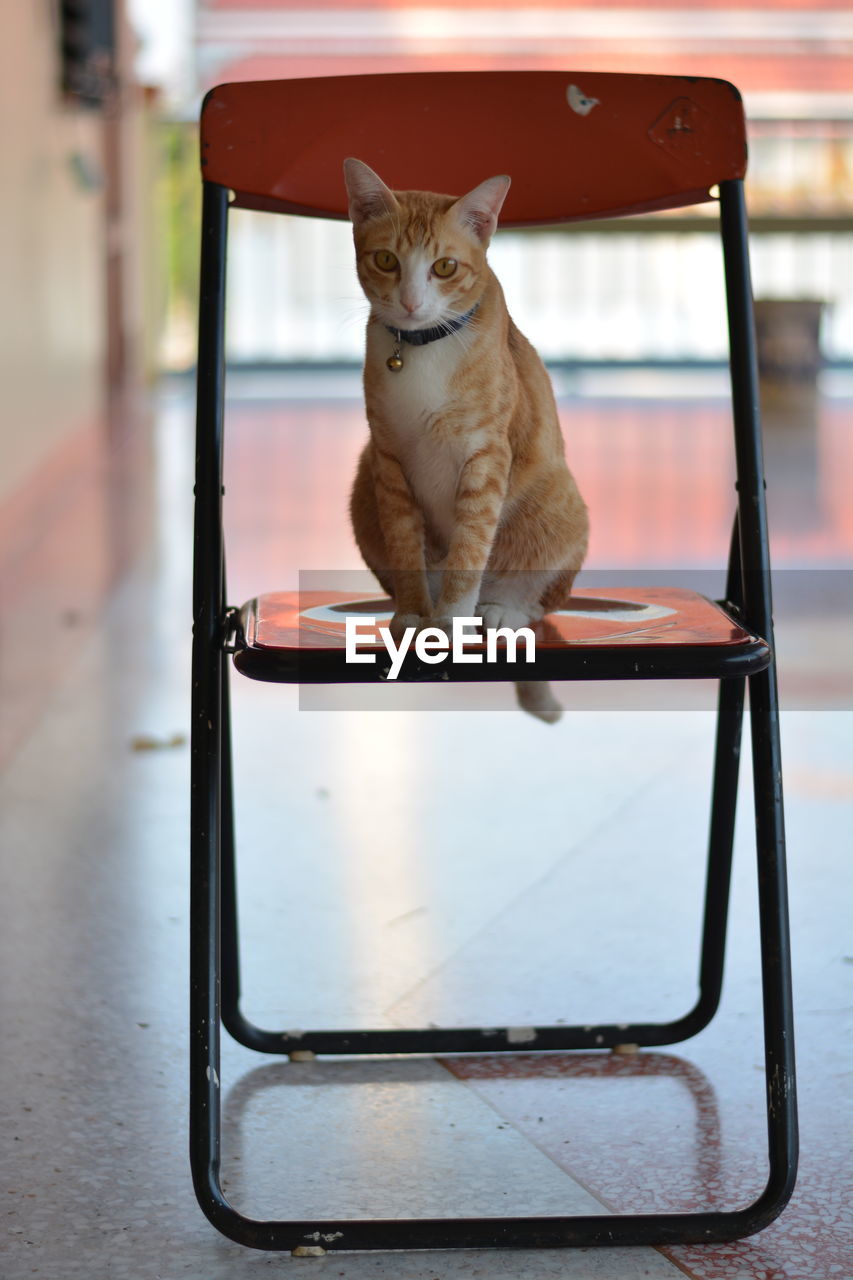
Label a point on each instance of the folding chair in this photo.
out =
(578, 147)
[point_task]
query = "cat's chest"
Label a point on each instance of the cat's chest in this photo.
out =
(428, 430)
(420, 393)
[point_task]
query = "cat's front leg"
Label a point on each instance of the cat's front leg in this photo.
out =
(402, 524)
(479, 501)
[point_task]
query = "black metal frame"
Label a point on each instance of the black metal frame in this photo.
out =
(214, 961)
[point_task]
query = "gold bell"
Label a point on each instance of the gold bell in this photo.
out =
(395, 360)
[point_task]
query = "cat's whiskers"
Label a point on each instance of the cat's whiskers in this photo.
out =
(464, 335)
(351, 310)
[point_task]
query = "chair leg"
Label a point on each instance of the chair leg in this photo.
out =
(775, 947)
(763, 714)
(229, 935)
(720, 846)
(206, 751)
(205, 957)
(233, 1020)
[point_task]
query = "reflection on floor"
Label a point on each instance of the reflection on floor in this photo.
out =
(401, 868)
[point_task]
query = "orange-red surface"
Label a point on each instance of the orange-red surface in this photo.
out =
(607, 145)
(598, 618)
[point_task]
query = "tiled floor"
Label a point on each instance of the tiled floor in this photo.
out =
(404, 867)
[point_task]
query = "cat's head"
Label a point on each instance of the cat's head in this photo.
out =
(421, 257)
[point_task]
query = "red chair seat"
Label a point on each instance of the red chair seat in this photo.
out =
(605, 633)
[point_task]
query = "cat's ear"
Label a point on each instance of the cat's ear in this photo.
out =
(478, 211)
(368, 195)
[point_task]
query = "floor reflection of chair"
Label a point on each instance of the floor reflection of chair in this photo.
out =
(692, 1158)
(700, 1166)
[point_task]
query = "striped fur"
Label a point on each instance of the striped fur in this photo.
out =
(462, 503)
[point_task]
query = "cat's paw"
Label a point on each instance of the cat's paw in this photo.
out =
(443, 624)
(401, 622)
(503, 615)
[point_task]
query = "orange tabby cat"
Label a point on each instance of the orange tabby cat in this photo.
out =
(462, 505)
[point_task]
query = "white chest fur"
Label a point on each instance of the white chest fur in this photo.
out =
(421, 423)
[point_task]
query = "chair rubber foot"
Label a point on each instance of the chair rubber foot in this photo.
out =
(625, 1050)
(302, 1055)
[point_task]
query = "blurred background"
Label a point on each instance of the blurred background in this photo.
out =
(380, 813)
(792, 61)
(102, 169)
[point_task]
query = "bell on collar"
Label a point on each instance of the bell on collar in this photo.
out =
(395, 360)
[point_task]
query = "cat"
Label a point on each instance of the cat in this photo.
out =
(462, 504)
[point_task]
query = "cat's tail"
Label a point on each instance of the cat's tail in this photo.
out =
(536, 697)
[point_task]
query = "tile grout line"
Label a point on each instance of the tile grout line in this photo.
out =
(594, 1195)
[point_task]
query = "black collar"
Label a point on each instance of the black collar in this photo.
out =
(420, 337)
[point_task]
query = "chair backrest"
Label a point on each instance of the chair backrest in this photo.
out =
(577, 146)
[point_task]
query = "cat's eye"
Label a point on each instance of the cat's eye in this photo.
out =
(385, 260)
(445, 267)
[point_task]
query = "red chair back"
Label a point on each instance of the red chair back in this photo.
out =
(577, 146)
